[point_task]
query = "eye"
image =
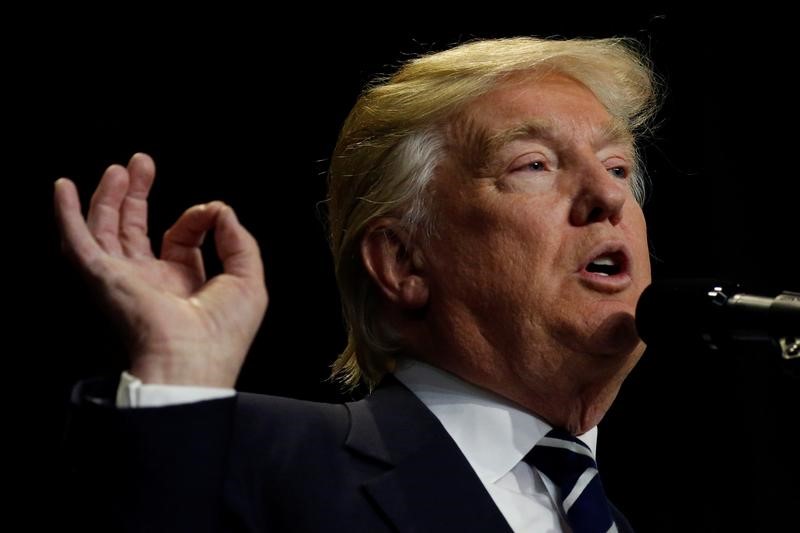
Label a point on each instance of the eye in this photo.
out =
(618, 172)
(536, 165)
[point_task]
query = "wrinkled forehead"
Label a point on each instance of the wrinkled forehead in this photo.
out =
(560, 99)
(551, 107)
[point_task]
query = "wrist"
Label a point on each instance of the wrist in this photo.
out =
(161, 370)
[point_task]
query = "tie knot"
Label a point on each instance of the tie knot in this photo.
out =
(570, 465)
(561, 457)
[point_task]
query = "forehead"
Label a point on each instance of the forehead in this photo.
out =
(553, 103)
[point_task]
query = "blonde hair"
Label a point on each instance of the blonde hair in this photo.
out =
(393, 140)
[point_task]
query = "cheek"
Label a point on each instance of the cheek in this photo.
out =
(497, 240)
(489, 264)
(638, 242)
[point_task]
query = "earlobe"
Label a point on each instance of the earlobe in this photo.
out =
(394, 264)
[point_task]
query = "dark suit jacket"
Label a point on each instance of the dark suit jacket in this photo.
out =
(260, 463)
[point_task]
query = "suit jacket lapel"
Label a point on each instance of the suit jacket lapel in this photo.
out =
(428, 484)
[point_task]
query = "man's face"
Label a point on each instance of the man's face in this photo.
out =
(540, 252)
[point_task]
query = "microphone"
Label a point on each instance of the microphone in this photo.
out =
(716, 314)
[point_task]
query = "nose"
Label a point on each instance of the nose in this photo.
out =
(599, 196)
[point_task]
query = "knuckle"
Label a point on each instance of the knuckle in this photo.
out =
(132, 230)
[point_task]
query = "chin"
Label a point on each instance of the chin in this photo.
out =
(616, 336)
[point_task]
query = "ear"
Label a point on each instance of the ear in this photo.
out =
(396, 266)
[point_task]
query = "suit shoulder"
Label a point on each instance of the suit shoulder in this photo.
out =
(264, 415)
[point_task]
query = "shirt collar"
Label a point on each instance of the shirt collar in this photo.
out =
(493, 433)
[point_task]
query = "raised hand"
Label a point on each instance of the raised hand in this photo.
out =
(181, 328)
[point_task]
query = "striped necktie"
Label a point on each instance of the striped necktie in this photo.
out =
(569, 464)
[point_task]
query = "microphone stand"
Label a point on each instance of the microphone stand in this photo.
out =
(778, 308)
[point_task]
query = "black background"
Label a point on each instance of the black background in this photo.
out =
(246, 109)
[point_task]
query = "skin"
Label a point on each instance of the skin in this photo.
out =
(181, 327)
(497, 297)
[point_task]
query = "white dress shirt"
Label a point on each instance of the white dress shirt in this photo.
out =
(131, 392)
(492, 433)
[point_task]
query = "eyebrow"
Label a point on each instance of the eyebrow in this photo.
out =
(482, 148)
(614, 132)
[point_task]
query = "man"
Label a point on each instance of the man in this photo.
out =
(490, 251)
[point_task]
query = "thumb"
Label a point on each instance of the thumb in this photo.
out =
(77, 242)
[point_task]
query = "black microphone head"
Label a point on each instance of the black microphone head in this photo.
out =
(672, 311)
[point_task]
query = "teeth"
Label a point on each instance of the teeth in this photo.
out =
(605, 265)
(607, 261)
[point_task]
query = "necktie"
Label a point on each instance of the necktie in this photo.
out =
(569, 464)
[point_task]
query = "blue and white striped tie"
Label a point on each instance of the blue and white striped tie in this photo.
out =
(569, 464)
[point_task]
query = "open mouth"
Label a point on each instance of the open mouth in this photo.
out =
(609, 270)
(608, 264)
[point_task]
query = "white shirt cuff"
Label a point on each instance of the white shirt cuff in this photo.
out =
(131, 392)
